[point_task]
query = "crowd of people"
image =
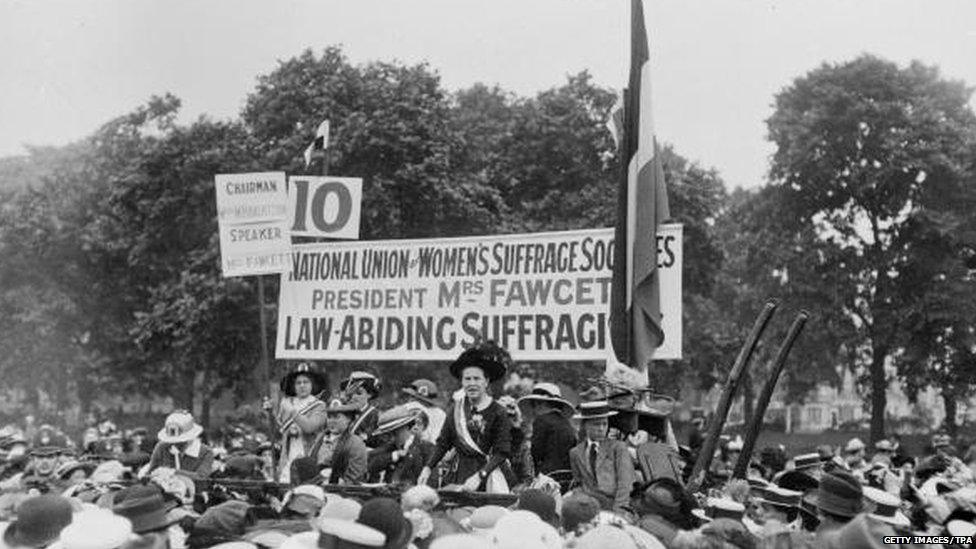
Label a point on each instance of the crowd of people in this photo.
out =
(338, 473)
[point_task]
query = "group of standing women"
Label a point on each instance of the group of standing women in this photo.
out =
(476, 431)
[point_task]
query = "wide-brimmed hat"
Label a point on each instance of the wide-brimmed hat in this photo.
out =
(303, 369)
(779, 497)
(887, 507)
(39, 522)
(884, 445)
(797, 480)
(148, 513)
(364, 379)
(386, 516)
(489, 357)
(840, 494)
(423, 390)
(854, 445)
(222, 523)
(394, 418)
(49, 441)
(340, 508)
(96, 529)
(594, 405)
(807, 461)
(550, 393)
(179, 427)
(65, 470)
(716, 508)
(354, 533)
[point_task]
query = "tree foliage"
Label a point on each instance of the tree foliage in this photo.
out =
(864, 151)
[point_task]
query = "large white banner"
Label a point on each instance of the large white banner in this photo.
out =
(542, 296)
(252, 214)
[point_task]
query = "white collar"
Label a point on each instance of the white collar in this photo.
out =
(409, 442)
(193, 448)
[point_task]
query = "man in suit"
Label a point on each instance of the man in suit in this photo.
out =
(602, 467)
(401, 458)
(552, 434)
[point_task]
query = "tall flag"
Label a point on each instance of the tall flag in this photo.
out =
(320, 143)
(642, 205)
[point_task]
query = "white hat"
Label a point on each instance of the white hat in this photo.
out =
(961, 528)
(854, 445)
(547, 392)
(524, 529)
(179, 427)
(736, 444)
(303, 540)
(96, 529)
(351, 531)
(887, 506)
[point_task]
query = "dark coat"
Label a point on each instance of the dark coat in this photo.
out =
(348, 460)
(197, 467)
(406, 469)
(492, 434)
(552, 438)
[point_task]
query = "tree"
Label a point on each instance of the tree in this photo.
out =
(864, 149)
(390, 126)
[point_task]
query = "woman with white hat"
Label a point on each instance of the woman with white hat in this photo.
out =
(301, 416)
(180, 447)
(553, 436)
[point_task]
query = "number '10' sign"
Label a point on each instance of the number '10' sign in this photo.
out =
(325, 206)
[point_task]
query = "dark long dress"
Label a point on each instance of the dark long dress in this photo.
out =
(492, 433)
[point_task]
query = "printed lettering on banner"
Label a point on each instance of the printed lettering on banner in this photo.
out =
(252, 214)
(543, 296)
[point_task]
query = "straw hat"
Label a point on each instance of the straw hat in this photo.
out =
(179, 427)
(594, 405)
(96, 529)
(394, 418)
(547, 392)
(887, 507)
(365, 379)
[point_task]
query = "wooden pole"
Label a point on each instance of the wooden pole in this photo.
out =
(776, 368)
(265, 359)
(725, 402)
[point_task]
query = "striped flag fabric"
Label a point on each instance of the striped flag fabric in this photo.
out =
(320, 143)
(642, 205)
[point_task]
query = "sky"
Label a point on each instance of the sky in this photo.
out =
(67, 66)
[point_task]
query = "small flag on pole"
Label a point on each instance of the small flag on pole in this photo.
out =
(643, 204)
(320, 143)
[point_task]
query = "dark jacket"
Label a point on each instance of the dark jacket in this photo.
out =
(492, 432)
(403, 471)
(348, 460)
(552, 438)
(198, 466)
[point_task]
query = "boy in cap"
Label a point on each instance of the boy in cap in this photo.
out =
(349, 457)
(422, 394)
(602, 467)
(360, 389)
(401, 459)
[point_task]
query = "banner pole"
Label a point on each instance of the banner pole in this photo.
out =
(265, 376)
